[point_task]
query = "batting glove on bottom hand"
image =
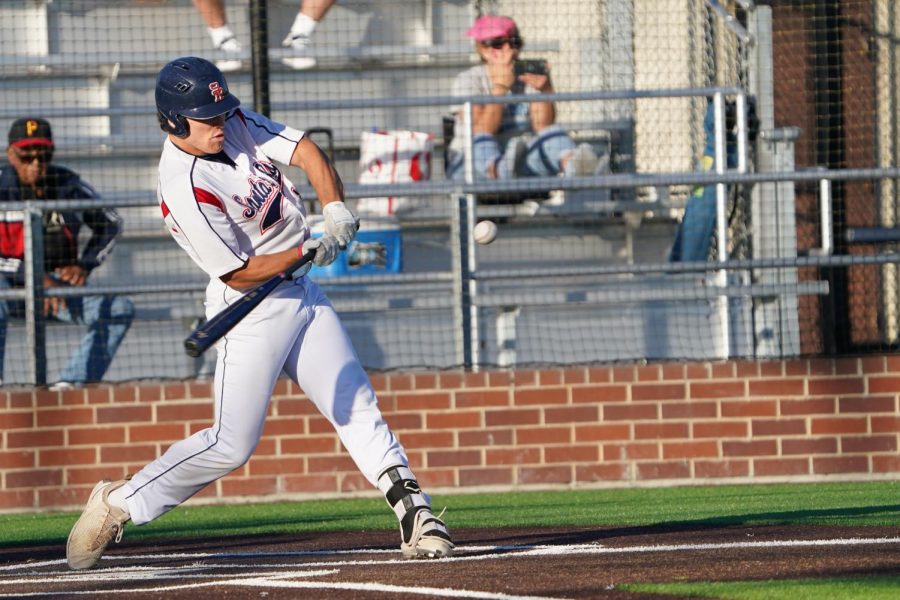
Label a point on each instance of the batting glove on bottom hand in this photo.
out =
(326, 248)
(340, 222)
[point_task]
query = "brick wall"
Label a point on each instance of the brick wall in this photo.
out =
(620, 425)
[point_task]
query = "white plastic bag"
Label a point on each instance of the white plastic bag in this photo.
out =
(393, 156)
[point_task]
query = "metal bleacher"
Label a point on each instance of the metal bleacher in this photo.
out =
(102, 110)
(100, 102)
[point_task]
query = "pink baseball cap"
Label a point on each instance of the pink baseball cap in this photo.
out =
(490, 26)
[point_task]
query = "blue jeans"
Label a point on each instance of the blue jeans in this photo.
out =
(542, 155)
(694, 235)
(107, 318)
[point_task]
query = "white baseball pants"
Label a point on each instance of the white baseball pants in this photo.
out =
(296, 330)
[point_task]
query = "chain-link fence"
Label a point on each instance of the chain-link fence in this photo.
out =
(632, 252)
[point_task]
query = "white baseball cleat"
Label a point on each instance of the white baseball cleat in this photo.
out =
(98, 525)
(430, 538)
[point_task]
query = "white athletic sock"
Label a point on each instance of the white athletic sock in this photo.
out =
(303, 26)
(219, 34)
(117, 498)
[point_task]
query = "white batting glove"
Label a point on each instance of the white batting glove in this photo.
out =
(326, 248)
(340, 222)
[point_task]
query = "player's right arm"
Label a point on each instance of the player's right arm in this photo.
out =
(259, 269)
(198, 222)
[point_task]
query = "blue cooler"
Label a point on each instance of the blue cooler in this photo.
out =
(375, 249)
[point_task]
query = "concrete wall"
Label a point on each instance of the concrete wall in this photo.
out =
(663, 424)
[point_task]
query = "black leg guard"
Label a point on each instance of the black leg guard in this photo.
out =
(422, 534)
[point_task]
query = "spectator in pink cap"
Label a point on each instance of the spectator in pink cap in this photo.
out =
(511, 140)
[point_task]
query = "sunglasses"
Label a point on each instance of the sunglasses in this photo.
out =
(515, 42)
(41, 155)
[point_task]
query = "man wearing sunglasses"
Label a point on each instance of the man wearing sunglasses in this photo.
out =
(511, 140)
(31, 176)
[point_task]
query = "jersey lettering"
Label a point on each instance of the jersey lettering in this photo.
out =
(265, 196)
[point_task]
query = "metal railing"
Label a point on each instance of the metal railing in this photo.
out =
(465, 276)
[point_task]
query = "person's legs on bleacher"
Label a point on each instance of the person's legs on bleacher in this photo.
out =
(107, 319)
(298, 38)
(548, 153)
(213, 14)
(486, 155)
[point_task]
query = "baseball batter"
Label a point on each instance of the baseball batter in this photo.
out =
(241, 220)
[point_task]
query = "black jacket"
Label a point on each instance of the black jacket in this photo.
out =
(61, 227)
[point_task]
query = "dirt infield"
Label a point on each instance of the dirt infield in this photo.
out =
(490, 564)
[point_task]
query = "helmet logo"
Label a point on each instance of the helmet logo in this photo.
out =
(218, 92)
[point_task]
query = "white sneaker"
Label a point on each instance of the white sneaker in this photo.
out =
(298, 43)
(582, 162)
(62, 386)
(229, 46)
(98, 525)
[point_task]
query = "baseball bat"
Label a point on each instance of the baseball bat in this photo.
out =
(210, 332)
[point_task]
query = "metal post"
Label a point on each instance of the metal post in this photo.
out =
(721, 188)
(462, 301)
(740, 105)
(506, 335)
(471, 282)
(825, 216)
(35, 324)
(721, 222)
(467, 238)
(468, 159)
(259, 56)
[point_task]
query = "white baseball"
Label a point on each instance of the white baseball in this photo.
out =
(485, 232)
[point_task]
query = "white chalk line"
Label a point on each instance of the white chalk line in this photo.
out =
(281, 581)
(151, 575)
(592, 549)
(115, 574)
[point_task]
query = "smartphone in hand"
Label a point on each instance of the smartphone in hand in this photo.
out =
(537, 66)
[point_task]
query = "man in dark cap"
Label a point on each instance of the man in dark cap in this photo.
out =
(31, 176)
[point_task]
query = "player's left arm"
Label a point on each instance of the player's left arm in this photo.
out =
(340, 222)
(323, 177)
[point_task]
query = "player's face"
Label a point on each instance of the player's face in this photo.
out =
(205, 136)
(30, 162)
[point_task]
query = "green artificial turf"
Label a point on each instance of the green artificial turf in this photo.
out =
(859, 504)
(850, 588)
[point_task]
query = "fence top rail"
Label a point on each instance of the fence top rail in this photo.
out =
(407, 101)
(529, 184)
(363, 281)
(158, 59)
(686, 268)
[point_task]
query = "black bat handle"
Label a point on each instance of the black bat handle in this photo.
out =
(210, 332)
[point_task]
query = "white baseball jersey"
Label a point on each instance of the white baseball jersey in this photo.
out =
(224, 208)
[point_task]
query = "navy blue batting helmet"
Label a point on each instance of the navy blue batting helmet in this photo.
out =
(191, 87)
